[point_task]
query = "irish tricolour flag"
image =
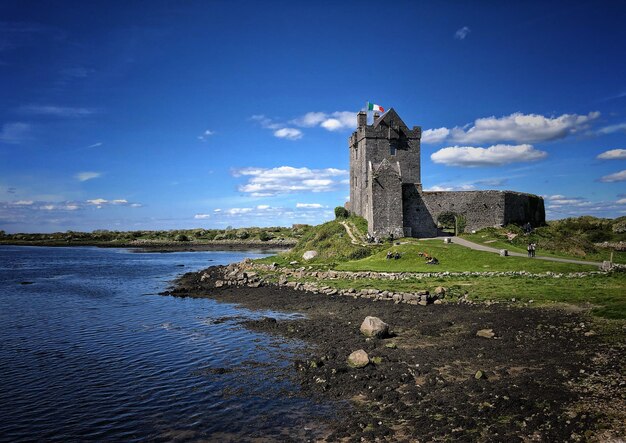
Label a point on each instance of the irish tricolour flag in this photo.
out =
(373, 107)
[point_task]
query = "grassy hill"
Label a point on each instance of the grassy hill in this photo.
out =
(571, 238)
(331, 241)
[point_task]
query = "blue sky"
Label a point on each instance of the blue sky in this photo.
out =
(159, 115)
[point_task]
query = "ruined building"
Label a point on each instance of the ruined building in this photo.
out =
(386, 187)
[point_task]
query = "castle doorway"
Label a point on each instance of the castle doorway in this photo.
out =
(450, 223)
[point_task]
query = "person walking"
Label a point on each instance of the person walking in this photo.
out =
(533, 248)
(529, 248)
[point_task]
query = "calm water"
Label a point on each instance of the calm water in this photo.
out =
(90, 351)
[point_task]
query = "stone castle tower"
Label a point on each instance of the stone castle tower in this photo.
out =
(386, 186)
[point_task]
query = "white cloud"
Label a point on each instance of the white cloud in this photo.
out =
(118, 202)
(464, 187)
(264, 182)
(217, 210)
(235, 211)
(56, 111)
(23, 202)
(309, 205)
(263, 207)
(497, 155)
(616, 177)
(95, 145)
(205, 135)
(621, 201)
(517, 128)
(334, 121)
(559, 206)
(201, 216)
(288, 133)
(310, 119)
(88, 175)
(97, 201)
(613, 154)
(14, 133)
(612, 128)
(435, 135)
(461, 33)
(266, 122)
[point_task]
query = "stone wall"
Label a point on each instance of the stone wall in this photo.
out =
(521, 208)
(480, 208)
(483, 209)
(386, 202)
(418, 221)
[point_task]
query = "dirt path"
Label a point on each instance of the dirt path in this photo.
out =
(468, 244)
(353, 238)
(543, 377)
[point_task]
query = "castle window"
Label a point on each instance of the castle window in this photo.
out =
(392, 150)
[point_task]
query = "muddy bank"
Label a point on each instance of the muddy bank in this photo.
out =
(545, 376)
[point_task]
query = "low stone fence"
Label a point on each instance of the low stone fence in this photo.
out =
(250, 274)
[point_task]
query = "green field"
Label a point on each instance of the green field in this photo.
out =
(452, 258)
(603, 294)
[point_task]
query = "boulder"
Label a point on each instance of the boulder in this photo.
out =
(374, 327)
(486, 333)
(504, 252)
(358, 359)
(309, 255)
(440, 290)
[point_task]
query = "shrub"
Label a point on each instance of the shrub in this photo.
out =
(264, 236)
(341, 212)
(181, 237)
(242, 234)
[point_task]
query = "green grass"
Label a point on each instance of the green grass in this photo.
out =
(570, 238)
(603, 294)
(452, 258)
(331, 241)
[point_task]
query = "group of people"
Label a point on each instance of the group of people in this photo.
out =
(393, 255)
(430, 260)
(531, 248)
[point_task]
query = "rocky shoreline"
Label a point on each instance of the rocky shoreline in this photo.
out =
(445, 370)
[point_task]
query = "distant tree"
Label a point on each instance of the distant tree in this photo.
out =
(264, 236)
(341, 212)
(182, 237)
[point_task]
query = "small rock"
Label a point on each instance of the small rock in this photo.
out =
(590, 333)
(293, 262)
(437, 302)
(479, 375)
(219, 283)
(358, 359)
(391, 346)
(486, 333)
(309, 255)
(374, 327)
(440, 290)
